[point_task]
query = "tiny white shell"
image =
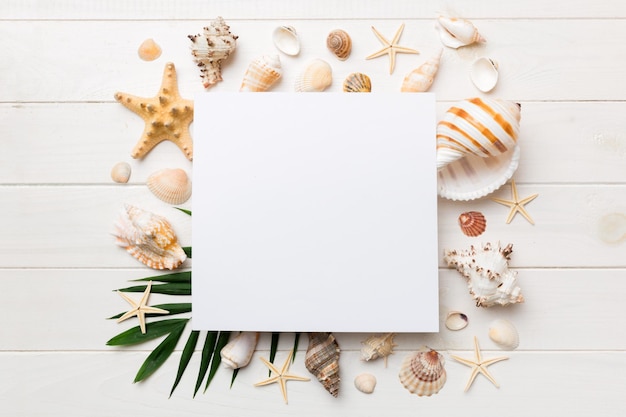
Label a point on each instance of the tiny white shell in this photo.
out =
(365, 383)
(316, 77)
(484, 74)
(238, 352)
(120, 172)
(170, 185)
(504, 334)
(286, 40)
(456, 320)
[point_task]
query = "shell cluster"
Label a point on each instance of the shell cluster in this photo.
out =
(262, 73)
(238, 352)
(423, 372)
(210, 48)
(172, 186)
(339, 43)
(377, 346)
(322, 360)
(421, 78)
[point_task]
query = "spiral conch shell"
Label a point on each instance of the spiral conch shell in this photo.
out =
(339, 43)
(423, 372)
(357, 83)
(421, 78)
(378, 346)
(322, 360)
(262, 74)
(149, 238)
(316, 77)
(210, 48)
(238, 352)
(455, 32)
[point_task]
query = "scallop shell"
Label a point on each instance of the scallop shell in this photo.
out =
(210, 48)
(489, 278)
(484, 74)
(357, 83)
(378, 346)
(423, 372)
(149, 50)
(120, 172)
(472, 223)
(316, 77)
(238, 352)
(421, 78)
(339, 43)
(456, 320)
(504, 334)
(286, 40)
(322, 360)
(262, 73)
(170, 185)
(149, 238)
(455, 32)
(365, 383)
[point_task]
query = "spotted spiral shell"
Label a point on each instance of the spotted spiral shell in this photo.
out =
(322, 360)
(339, 43)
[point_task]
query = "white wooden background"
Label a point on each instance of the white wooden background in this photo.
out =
(61, 131)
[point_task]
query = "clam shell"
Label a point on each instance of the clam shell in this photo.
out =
(120, 172)
(210, 48)
(322, 360)
(472, 223)
(504, 334)
(456, 320)
(149, 50)
(455, 32)
(316, 77)
(423, 372)
(339, 43)
(262, 73)
(421, 78)
(286, 40)
(365, 383)
(238, 352)
(357, 83)
(170, 185)
(484, 74)
(377, 346)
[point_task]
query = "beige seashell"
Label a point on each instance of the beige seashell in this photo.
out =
(210, 48)
(339, 43)
(423, 372)
(286, 40)
(489, 278)
(316, 77)
(120, 172)
(149, 50)
(484, 74)
(472, 223)
(378, 346)
(504, 334)
(170, 185)
(149, 238)
(262, 74)
(456, 321)
(238, 352)
(421, 78)
(365, 383)
(455, 32)
(357, 83)
(322, 360)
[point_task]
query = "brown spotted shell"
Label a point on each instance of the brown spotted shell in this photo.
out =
(322, 360)
(357, 83)
(377, 346)
(210, 48)
(423, 372)
(339, 43)
(472, 223)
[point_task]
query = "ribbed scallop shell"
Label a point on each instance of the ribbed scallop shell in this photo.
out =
(170, 185)
(322, 360)
(120, 172)
(238, 351)
(455, 32)
(423, 372)
(316, 77)
(504, 334)
(210, 48)
(357, 83)
(149, 238)
(421, 78)
(472, 223)
(339, 43)
(377, 346)
(262, 74)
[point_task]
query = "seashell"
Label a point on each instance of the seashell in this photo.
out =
(423, 372)
(456, 320)
(357, 83)
(210, 48)
(421, 78)
(339, 43)
(322, 360)
(120, 172)
(365, 383)
(473, 223)
(149, 238)
(489, 278)
(504, 334)
(611, 228)
(262, 73)
(455, 32)
(170, 185)
(238, 352)
(484, 74)
(149, 50)
(286, 40)
(378, 346)
(316, 77)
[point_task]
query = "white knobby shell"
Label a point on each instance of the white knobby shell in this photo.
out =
(286, 40)
(484, 73)
(455, 32)
(262, 73)
(456, 320)
(120, 172)
(238, 352)
(365, 383)
(421, 78)
(504, 334)
(172, 186)
(316, 77)
(210, 48)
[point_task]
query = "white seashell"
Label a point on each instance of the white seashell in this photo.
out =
(149, 238)
(423, 372)
(286, 40)
(170, 185)
(484, 74)
(210, 48)
(421, 78)
(365, 383)
(238, 352)
(504, 334)
(339, 43)
(455, 32)
(378, 346)
(456, 320)
(120, 172)
(316, 77)
(262, 73)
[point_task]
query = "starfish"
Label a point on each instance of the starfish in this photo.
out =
(516, 205)
(140, 309)
(281, 376)
(391, 48)
(479, 365)
(167, 116)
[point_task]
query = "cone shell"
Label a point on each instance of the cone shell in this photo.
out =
(262, 74)
(286, 40)
(423, 372)
(149, 50)
(149, 238)
(421, 78)
(377, 346)
(238, 352)
(170, 185)
(120, 172)
(357, 83)
(365, 383)
(339, 43)
(322, 360)
(455, 32)
(472, 223)
(504, 334)
(316, 77)
(210, 48)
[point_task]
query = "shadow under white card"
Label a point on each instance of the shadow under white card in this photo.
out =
(315, 212)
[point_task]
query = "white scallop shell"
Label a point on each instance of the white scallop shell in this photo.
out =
(262, 73)
(504, 334)
(120, 172)
(286, 40)
(365, 383)
(170, 185)
(456, 320)
(455, 32)
(238, 352)
(484, 74)
(421, 78)
(316, 77)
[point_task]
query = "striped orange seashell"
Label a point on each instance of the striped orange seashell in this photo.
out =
(472, 223)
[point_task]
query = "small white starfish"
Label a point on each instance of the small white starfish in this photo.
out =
(391, 48)
(479, 365)
(140, 309)
(516, 205)
(280, 376)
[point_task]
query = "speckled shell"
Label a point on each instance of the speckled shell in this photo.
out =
(210, 48)
(455, 32)
(504, 334)
(120, 172)
(365, 383)
(238, 351)
(489, 278)
(149, 50)
(322, 360)
(316, 77)
(377, 346)
(421, 78)
(472, 223)
(149, 238)
(357, 83)
(170, 185)
(423, 372)
(339, 43)
(262, 74)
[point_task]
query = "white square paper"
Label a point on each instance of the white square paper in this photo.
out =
(315, 212)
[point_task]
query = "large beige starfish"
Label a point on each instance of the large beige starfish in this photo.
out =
(516, 205)
(479, 365)
(391, 48)
(280, 376)
(140, 309)
(167, 116)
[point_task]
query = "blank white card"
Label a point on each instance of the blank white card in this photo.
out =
(315, 212)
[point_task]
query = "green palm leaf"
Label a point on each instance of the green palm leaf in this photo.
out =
(156, 329)
(217, 358)
(185, 357)
(170, 288)
(173, 277)
(160, 354)
(207, 353)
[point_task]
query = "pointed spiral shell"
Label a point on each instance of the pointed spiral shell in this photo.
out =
(262, 73)
(339, 43)
(322, 360)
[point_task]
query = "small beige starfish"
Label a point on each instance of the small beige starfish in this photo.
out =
(391, 48)
(140, 310)
(167, 116)
(479, 365)
(281, 376)
(516, 205)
